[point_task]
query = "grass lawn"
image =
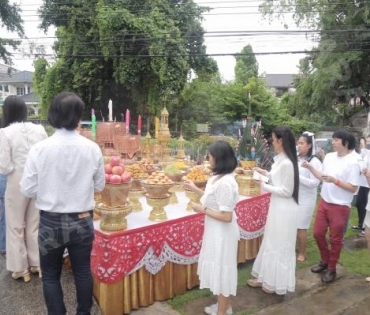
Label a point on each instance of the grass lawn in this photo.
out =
(355, 261)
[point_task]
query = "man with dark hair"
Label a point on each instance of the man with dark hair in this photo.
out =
(62, 172)
(340, 175)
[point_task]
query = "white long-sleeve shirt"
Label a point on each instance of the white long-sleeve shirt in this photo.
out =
(62, 172)
(15, 142)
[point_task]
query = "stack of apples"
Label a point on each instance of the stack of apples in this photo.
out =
(115, 171)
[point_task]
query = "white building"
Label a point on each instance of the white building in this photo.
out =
(19, 83)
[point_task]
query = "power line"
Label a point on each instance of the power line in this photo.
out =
(210, 34)
(206, 55)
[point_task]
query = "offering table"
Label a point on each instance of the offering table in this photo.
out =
(154, 261)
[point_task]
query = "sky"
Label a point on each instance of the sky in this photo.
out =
(228, 29)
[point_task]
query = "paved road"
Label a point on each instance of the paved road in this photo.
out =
(348, 295)
(19, 298)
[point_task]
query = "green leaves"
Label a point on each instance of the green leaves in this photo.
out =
(10, 19)
(135, 52)
(337, 69)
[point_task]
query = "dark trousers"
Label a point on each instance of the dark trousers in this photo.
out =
(332, 217)
(56, 233)
(361, 203)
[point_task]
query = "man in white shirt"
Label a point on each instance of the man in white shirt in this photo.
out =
(62, 172)
(340, 175)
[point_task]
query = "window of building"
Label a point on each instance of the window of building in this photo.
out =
(20, 91)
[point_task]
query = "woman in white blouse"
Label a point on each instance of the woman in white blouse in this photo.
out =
(22, 218)
(217, 264)
(308, 184)
(274, 267)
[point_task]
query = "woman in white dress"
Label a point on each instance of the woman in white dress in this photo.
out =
(274, 267)
(217, 265)
(308, 184)
(22, 217)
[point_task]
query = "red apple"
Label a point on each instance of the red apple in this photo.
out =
(114, 160)
(126, 177)
(107, 178)
(115, 179)
(118, 170)
(123, 166)
(108, 169)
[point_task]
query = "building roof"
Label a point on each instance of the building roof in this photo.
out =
(17, 77)
(31, 98)
(279, 80)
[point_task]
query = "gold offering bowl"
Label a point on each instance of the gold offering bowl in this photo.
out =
(175, 177)
(115, 194)
(156, 190)
(97, 196)
(113, 218)
(248, 164)
(134, 196)
(173, 199)
(194, 197)
(136, 183)
(247, 185)
(158, 214)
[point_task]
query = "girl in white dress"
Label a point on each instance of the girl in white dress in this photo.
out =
(308, 184)
(274, 267)
(217, 265)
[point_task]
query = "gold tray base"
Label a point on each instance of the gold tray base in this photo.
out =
(158, 214)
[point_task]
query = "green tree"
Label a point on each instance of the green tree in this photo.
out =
(135, 52)
(337, 69)
(10, 19)
(246, 66)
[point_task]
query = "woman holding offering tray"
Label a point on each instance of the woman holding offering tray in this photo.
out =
(217, 265)
(274, 267)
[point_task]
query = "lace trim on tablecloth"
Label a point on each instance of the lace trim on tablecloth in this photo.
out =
(154, 264)
(115, 256)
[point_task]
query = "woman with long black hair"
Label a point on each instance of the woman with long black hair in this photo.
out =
(22, 218)
(308, 185)
(274, 267)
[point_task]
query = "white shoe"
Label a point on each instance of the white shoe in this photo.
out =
(36, 270)
(212, 309)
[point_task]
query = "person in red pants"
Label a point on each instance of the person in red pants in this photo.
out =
(340, 175)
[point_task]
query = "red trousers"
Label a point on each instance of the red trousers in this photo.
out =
(333, 217)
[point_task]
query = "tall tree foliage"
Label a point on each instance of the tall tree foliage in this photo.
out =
(136, 52)
(10, 20)
(246, 65)
(338, 66)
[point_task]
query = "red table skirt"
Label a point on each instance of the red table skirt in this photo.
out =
(134, 268)
(179, 241)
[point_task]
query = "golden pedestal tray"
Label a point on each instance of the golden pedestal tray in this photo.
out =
(173, 189)
(158, 214)
(136, 183)
(194, 197)
(113, 218)
(156, 190)
(134, 196)
(115, 194)
(247, 185)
